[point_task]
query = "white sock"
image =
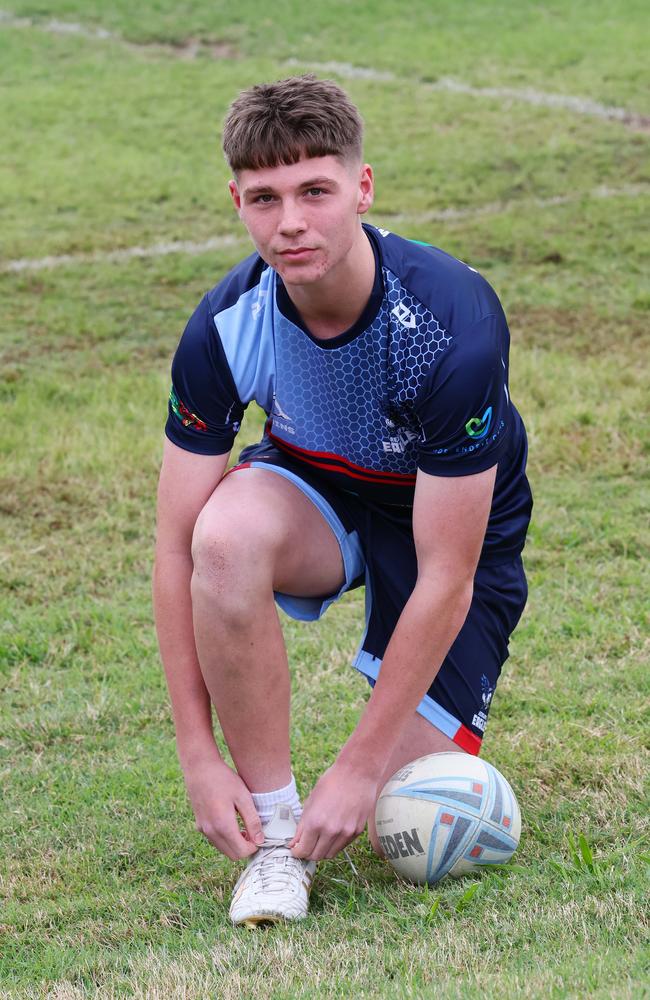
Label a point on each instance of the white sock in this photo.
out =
(265, 802)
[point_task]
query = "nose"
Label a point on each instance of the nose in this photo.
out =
(292, 220)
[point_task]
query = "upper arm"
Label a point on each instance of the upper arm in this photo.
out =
(463, 405)
(205, 411)
(187, 481)
(450, 515)
(203, 418)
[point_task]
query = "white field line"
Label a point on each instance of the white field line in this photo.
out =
(55, 27)
(526, 95)
(520, 204)
(193, 47)
(186, 247)
(189, 48)
(193, 249)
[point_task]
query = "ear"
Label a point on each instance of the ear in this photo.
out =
(234, 194)
(366, 189)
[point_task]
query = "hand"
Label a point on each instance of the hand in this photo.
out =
(217, 794)
(335, 813)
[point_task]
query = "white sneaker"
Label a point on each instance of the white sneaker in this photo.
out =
(274, 885)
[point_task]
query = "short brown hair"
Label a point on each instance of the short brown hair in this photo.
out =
(274, 123)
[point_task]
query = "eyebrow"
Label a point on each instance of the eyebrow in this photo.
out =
(268, 189)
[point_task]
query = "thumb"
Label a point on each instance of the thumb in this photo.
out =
(251, 819)
(298, 834)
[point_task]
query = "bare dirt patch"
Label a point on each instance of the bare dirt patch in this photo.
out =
(585, 332)
(187, 48)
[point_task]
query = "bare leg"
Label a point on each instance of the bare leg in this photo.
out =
(257, 533)
(418, 738)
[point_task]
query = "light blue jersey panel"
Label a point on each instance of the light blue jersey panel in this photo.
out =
(247, 337)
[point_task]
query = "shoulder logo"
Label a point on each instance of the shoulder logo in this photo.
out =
(477, 427)
(384, 232)
(404, 316)
(258, 304)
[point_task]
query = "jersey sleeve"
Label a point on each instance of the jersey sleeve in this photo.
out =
(463, 406)
(204, 412)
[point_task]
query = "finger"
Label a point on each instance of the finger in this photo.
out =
(220, 844)
(325, 848)
(305, 844)
(235, 850)
(298, 834)
(251, 820)
(339, 844)
(229, 840)
(317, 844)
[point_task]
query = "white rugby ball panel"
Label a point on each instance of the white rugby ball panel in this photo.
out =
(445, 814)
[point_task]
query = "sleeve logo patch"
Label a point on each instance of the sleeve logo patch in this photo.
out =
(186, 417)
(478, 427)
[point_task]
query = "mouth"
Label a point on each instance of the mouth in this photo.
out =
(296, 253)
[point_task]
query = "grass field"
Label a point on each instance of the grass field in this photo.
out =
(109, 142)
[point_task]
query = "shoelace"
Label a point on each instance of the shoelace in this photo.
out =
(272, 877)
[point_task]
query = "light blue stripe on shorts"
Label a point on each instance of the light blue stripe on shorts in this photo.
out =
(308, 609)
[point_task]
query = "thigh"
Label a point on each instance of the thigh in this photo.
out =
(463, 689)
(269, 520)
(458, 701)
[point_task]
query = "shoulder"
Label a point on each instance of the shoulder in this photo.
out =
(456, 294)
(242, 282)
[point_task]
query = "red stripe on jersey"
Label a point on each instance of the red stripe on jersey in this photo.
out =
(343, 466)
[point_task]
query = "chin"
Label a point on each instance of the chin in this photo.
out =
(293, 275)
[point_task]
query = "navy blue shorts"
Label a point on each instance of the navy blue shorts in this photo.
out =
(378, 550)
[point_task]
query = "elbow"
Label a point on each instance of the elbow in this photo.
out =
(452, 588)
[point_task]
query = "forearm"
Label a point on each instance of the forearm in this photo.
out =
(189, 696)
(426, 629)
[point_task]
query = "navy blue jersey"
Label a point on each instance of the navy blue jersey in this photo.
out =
(419, 382)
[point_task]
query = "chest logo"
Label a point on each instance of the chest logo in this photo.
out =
(281, 419)
(404, 316)
(399, 440)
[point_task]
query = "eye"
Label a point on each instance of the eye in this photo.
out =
(315, 192)
(263, 199)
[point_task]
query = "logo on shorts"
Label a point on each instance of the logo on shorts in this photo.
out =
(477, 427)
(487, 690)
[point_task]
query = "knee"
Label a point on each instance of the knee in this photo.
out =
(231, 554)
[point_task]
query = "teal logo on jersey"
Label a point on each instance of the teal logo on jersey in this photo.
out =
(477, 427)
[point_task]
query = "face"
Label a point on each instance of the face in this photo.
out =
(304, 217)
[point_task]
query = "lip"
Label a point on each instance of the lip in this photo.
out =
(297, 253)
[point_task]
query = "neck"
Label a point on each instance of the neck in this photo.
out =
(332, 305)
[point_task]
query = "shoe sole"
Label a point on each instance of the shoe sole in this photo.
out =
(264, 919)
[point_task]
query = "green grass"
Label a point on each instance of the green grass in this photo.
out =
(106, 889)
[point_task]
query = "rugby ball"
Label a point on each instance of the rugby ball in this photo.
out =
(447, 814)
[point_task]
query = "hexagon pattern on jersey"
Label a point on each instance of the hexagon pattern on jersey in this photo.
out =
(356, 400)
